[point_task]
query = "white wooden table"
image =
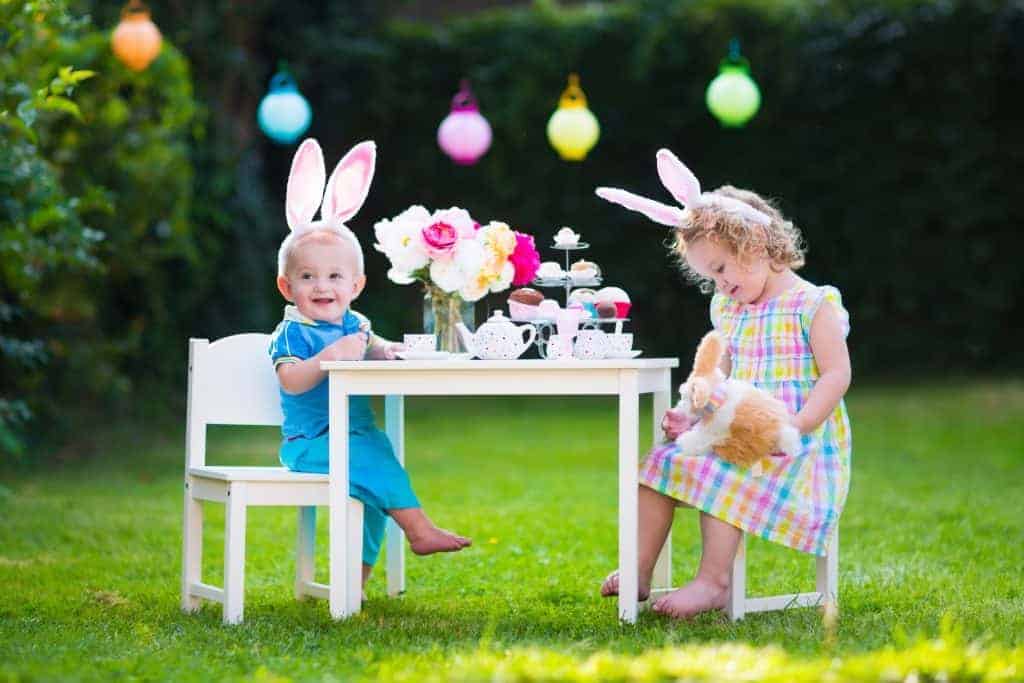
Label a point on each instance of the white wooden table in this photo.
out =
(627, 379)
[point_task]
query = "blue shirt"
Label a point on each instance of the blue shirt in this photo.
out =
(298, 338)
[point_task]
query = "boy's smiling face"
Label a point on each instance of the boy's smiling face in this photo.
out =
(322, 278)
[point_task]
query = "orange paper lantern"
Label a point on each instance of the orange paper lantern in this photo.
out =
(136, 40)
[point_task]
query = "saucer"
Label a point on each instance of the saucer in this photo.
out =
(422, 355)
(624, 354)
(459, 356)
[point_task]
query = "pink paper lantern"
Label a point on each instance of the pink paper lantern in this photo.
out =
(464, 135)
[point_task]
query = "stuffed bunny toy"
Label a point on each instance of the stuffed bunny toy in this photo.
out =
(740, 422)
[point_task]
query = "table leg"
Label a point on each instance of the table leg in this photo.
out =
(629, 415)
(663, 568)
(342, 604)
(394, 423)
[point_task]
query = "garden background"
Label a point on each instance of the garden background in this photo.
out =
(140, 209)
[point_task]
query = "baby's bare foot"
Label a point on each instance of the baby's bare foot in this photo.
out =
(433, 540)
(610, 587)
(695, 597)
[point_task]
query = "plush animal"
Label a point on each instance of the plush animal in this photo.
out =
(740, 422)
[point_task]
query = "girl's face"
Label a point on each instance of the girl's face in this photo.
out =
(742, 280)
(322, 279)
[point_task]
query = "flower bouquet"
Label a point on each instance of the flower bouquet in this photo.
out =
(457, 259)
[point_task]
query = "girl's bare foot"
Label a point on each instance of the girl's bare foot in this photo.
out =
(434, 540)
(610, 587)
(700, 595)
(424, 537)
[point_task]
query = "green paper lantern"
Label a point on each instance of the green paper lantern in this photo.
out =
(733, 97)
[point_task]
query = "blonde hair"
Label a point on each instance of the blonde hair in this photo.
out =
(780, 241)
(298, 237)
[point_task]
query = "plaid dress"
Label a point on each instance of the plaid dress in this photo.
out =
(798, 499)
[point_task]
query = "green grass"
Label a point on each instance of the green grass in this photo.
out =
(934, 530)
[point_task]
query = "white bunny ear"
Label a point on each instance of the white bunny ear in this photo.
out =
(305, 184)
(678, 179)
(350, 183)
(656, 211)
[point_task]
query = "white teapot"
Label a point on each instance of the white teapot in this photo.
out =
(498, 338)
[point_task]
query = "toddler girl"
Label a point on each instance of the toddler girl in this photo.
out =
(320, 270)
(786, 336)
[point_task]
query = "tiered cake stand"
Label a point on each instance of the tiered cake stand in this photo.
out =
(546, 327)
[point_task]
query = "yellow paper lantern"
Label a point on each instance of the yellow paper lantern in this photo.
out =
(573, 129)
(136, 40)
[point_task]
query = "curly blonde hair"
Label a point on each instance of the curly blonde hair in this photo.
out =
(780, 241)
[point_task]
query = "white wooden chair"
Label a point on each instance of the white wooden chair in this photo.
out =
(827, 583)
(232, 381)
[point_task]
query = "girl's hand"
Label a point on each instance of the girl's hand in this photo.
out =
(675, 423)
(349, 347)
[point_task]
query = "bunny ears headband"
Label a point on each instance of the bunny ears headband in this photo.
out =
(346, 190)
(685, 187)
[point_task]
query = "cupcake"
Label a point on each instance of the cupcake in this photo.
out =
(526, 295)
(616, 296)
(584, 298)
(565, 237)
(548, 309)
(550, 270)
(581, 271)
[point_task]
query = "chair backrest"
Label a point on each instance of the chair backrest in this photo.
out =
(232, 381)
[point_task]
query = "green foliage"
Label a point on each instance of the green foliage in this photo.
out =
(96, 181)
(889, 132)
(90, 559)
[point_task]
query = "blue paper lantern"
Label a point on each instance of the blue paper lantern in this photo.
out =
(284, 114)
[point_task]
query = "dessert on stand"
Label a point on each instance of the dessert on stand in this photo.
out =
(596, 308)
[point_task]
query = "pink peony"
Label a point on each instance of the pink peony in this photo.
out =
(525, 259)
(440, 239)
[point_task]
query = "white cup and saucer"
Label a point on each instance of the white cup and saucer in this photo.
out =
(420, 347)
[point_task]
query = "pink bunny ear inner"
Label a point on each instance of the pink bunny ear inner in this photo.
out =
(656, 211)
(678, 179)
(305, 188)
(350, 183)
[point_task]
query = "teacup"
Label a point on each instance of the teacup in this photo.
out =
(620, 342)
(420, 343)
(592, 345)
(559, 347)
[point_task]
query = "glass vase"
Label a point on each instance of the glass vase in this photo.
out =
(441, 312)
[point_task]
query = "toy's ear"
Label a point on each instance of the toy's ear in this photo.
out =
(350, 183)
(678, 179)
(700, 392)
(709, 354)
(305, 187)
(656, 211)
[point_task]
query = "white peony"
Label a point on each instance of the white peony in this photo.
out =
(401, 240)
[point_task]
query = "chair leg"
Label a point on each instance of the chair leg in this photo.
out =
(304, 551)
(191, 549)
(737, 607)
(828, 573)
(354, 570)
(234, 553)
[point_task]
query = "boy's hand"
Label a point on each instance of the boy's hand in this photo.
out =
(349, 347)
(385, 350)
(675, 423)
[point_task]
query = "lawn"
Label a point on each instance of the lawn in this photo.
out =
(930, 569)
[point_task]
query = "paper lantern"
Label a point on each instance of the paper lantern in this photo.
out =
(464, 134)
(136, 39)
(284, 114)
(573, 129)
(733, 97)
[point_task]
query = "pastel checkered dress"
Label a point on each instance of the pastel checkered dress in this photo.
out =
(798, 499)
